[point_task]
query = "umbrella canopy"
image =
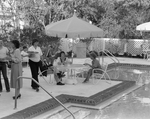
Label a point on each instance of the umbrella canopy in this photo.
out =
(73, 28)
(143, 27)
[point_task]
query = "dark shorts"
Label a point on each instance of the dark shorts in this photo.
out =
(98, 71)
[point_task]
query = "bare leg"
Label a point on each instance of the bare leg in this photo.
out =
(56, 78)
(88, 76)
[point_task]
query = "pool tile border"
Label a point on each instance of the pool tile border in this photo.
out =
(101, 96)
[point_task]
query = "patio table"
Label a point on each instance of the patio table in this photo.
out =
(72, 70)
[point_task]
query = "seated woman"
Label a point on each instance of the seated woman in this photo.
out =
(61, 60)
(95, 64)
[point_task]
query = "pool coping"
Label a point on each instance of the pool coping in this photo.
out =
(93, 100)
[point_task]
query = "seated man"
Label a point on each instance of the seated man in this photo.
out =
(61, 60)
(95, 64)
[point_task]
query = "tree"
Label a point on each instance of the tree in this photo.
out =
(111, 27)
(32, 12)
(133, 12)
(108, 21)
(7, 18)
(62, 9)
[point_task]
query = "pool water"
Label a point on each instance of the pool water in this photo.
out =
(130, 74)
(135, 105)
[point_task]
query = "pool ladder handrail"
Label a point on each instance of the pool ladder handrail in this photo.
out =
(106, 53)
(20, 77)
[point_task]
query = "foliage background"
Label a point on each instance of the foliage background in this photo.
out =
(118, 18)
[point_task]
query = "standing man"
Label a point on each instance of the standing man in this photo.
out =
(3, 61)
(35, 57)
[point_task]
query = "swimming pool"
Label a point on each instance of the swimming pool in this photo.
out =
(134, 105)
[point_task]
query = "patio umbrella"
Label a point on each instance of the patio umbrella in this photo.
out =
(143, 27)
(73, 28)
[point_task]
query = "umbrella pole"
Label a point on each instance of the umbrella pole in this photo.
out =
(72, 53)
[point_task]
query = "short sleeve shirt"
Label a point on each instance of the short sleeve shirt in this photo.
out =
(58, 60)
(3, 52)
(37, 56)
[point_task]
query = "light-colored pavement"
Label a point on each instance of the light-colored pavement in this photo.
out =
(30, 97)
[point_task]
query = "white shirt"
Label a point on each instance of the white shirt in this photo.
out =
(24, 56)
(37, 56)
(3, 52)
(57, 61)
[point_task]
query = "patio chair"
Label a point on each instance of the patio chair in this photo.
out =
(146, 50)
(49, 72)
(148, 55)
(99, 74)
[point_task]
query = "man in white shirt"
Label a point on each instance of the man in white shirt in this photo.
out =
(35, 54)
(3, 66)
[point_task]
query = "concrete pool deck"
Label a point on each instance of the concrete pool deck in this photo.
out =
(30, 97)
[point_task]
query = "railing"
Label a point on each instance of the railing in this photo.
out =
(107, 51)
(109, 57)
(44, 90)
(114, 59)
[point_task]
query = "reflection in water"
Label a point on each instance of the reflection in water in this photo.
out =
(99, 115)
(144, 100)
(135, 105)
(140, 76)
(81, 114)
(58, 116)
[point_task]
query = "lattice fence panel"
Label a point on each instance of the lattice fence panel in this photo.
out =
(135, 46)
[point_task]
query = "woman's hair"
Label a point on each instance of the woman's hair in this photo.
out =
(92, 54)
(24, 47)
(34, 40)
(62, 52)
(16, 43)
